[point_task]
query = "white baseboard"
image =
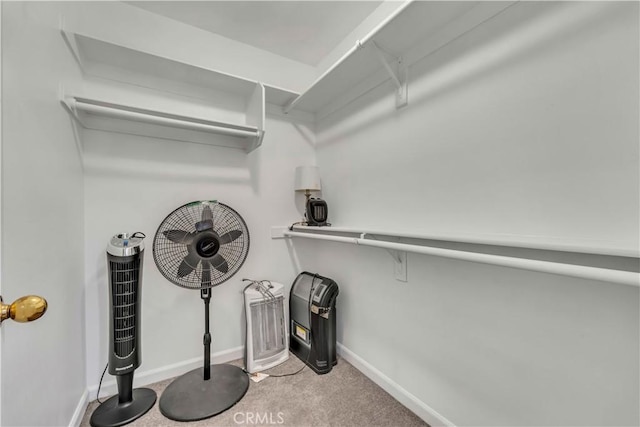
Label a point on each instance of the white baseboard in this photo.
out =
(142, 378)
(76, 419)
(421, 409)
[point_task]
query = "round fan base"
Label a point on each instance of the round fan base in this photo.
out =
(112, 413)
(190, 397)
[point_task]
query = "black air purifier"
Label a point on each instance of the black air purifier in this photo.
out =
(312, 308)
(124, 258)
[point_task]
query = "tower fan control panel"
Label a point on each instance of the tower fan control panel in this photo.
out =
(126, 244)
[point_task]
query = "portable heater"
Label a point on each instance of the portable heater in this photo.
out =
(312, 306)
(267, 338)
(316, 212)
(124, 257)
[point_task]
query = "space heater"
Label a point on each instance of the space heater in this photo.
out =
(312, 307)
(124, 258)
(267, 337)
(316, 212)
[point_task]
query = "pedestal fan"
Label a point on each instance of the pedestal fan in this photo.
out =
(197, 246)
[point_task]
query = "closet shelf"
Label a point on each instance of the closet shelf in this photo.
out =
(130, 69)
(367, 238)
(114, 61)
(107, 116)
(415, 30)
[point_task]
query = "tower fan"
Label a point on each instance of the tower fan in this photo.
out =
(198, 246)
(124, 257)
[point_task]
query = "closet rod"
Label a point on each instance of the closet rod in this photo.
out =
(120, 112)
(580, 271)
(526, 242)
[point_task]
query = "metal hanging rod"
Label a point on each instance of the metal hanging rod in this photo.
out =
(580, 271)
(76, 105)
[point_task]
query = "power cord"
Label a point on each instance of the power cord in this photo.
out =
(290, 374)
(328, 224)
(100, 385)
(297, 223)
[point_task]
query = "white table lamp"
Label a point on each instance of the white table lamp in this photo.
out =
(307, 180)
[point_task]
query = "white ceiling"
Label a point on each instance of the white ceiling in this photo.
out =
(305, 31)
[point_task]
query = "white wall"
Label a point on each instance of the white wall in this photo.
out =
(133, 183)
(43, 372)
(527, 127)
(129, 183)
(375, 18)
(136, 28)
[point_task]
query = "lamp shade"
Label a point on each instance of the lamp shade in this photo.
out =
(307, 178)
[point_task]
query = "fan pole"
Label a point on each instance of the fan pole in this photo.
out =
(205, 294)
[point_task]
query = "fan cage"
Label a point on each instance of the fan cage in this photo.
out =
(168, 255)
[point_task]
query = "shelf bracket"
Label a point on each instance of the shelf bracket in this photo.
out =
(399, 261)
(399, 264)
(399, 76)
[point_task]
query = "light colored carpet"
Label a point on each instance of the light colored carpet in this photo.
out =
(343, 397)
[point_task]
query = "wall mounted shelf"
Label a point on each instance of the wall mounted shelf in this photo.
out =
(368, 238)
(137, 69)
(103, 115)
(114, 61)
(415, 30)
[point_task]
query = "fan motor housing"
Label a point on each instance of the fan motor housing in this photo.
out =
(207, 244)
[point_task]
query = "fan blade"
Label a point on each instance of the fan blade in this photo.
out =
(230, 236)
(219, 263)
(206, 213)
(188, 264)
(179, 236)
(206, 223)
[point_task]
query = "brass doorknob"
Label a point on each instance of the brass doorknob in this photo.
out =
(25, 309)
